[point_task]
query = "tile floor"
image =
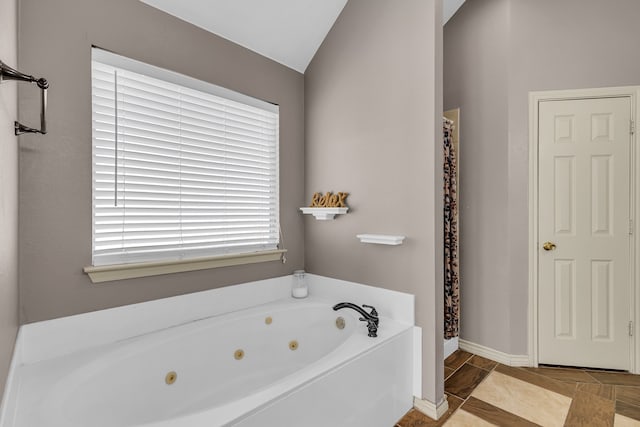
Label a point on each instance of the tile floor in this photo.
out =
(482, 392)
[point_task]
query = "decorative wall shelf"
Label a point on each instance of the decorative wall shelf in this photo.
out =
(381, 239)
(324, 213)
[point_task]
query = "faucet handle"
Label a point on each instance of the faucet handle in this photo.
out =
(374, 312)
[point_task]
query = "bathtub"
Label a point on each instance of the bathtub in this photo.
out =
(282, 363)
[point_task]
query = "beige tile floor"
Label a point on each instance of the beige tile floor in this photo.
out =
(481, 392)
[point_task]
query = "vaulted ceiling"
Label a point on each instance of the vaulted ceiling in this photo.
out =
(287, 31)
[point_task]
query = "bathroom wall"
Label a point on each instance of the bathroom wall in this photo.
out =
(373, 108)
(8, 191)
(564, 44)
(55, 170)
(475, 76)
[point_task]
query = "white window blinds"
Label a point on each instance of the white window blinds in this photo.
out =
(181, 168)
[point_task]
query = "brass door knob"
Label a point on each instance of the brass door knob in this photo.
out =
(548, 246)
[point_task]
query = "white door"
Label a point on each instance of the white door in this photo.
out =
(584, 232)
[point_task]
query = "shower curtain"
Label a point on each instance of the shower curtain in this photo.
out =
(451, 283)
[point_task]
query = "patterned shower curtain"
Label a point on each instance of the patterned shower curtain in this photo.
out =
(451, 282)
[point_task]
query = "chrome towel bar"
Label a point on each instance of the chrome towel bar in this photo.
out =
(8, 73)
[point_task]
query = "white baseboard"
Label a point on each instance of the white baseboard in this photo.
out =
(430, 409)
(450, 346)
(495, 355)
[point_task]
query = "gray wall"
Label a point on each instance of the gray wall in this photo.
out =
(8, 191)
(373, 108)
(559, 44)
(55, 170)
(584, 44)
(475, 79)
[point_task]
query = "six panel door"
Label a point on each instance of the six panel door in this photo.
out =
(583, 233)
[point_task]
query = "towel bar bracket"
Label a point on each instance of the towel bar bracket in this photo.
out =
(19, 129)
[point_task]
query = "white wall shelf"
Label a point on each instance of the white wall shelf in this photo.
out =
(381, 239)
(324, 214)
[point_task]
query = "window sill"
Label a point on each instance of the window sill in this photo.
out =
(108, 273)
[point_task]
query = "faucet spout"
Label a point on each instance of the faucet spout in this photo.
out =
(371, 318)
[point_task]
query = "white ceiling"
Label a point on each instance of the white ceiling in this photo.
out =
(449, 8)
(287, 31)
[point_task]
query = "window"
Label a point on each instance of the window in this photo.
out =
(182, 169)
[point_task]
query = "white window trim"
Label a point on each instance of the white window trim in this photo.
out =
(108, 273)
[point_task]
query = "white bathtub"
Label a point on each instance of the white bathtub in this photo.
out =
(334, 377)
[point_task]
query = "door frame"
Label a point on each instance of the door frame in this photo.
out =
(632, 92)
